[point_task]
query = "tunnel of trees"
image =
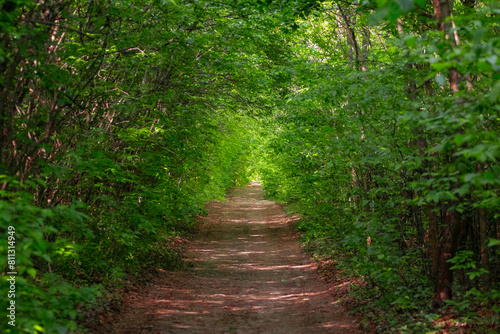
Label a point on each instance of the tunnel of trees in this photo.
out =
(377, 121)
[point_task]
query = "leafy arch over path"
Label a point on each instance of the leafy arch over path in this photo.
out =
(120, 119)
(389, 145)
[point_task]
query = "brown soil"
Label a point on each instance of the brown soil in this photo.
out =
(246, 274)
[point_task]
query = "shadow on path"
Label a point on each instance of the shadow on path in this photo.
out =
(246, 274)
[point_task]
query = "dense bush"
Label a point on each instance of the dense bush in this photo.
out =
(378, 120)
(389, 146)
(117, 127)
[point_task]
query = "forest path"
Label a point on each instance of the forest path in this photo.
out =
(247, 274)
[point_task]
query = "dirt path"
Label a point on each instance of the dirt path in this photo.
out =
(247, 275)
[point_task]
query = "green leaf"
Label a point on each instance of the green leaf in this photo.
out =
(405, 5)
(494, 242)
(421, 3)
(31, 272)
(492, 59)
(460, 139)
(494, 93)
(484, 66)
(41, 182)
(377, 16)
(410, 42)
(440, 79)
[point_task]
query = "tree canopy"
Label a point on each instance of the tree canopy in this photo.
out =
(378, 121)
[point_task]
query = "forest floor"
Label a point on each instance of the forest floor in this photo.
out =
(245, 273)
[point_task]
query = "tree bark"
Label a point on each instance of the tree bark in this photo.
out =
(442, 10)
(445, 238)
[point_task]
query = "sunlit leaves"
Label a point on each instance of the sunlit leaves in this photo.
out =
(377, 151)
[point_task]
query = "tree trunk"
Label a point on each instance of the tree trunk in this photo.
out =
(442, 10)
(445, 238)
(447, 248)
(483, 240)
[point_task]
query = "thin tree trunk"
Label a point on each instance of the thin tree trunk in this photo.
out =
(483, 239)
(446, 237)
(483, 236)
(442, 10)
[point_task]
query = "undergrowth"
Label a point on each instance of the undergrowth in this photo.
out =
(402, 305)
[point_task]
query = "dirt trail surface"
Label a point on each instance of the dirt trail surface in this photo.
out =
(246, 274)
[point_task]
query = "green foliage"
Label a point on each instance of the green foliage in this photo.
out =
(119, 121)
(376, 151)
(44, 301)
